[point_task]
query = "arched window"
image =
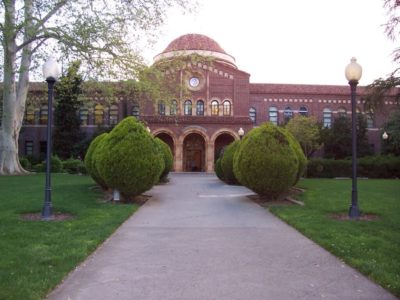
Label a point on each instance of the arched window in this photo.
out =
(303, 111)
(187, 108)
(84, 116)
(29, 116)
(342, 112)
(135, 110)
(98, 114)
(288, 114)
(327, 117)
(200, 108)
(161, 108)
(252, 114)
(227, 108)
(273, 115)
(174, 108)
(369, 115)
(113, 114)
(43, 115)
(214, 108)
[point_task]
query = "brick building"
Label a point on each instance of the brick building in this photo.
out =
(222, 100)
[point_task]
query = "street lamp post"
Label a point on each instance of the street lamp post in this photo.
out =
(241, 132)
(51, 72)
(353, 74)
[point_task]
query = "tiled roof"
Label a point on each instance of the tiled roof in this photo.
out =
(194, 42)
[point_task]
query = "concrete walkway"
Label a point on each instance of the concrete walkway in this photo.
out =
(200, 239)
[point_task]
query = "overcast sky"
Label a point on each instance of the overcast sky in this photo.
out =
(292, 41)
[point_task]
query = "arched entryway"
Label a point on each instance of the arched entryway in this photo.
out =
(223, 140)
(194, 153)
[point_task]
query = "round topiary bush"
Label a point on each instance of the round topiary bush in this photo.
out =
(218, 169)
(266, 162)
(129, 159)
(227, 163)
(91, 158)
(167, 157)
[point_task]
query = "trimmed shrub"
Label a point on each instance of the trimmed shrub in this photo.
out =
(73, 166)
(91, 158)
(25, 163)
(300, 155)
(56, 165)
(218, 169)
(129, 159)
(328, 168)
(167, 157)
(266, 162)
(227, 163)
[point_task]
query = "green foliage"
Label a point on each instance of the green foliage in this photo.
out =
(306, 131)
(337, 140)
(392, 128)
(74, 166)
(55, 167)
(25, 163)
(166, 156)
(227, 163)
(266, 162)
(67, 132)
(91, 158)
(218, 169)
(294, 144)
(129, 159)
(368, 166)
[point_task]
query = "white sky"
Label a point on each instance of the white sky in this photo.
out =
(291, 41)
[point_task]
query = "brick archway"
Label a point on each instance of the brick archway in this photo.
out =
(194, 153)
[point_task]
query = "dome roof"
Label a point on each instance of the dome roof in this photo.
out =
(196, 44)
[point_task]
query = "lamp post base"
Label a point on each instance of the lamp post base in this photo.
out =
(354, 213)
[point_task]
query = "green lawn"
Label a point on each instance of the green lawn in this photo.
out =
(372, 247)
(36, 255)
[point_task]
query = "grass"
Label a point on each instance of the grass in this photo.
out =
(36, 255)
(372, 247)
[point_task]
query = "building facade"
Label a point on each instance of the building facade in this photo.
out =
(221, 100)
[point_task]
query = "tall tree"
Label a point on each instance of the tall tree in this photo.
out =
(101, 33)
(392, 128)
(66, 115)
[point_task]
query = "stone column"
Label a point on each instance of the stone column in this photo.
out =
(178, 163)
(210, 157)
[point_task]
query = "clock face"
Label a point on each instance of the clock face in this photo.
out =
(194, 82)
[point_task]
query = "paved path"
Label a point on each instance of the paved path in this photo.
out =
(200, 239)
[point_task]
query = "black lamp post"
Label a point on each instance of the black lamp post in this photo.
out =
(353, 74)
(51, 72)
(241, 132)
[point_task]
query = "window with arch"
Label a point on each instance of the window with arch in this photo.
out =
(303, 111)
(273, 115)
(200, 108)
(135, 110)
(187, 107)
(214, 108)
(327, 118)
(369, 116)
(98, 114)
(43, 115)
(341, 112)
(174, 108)
(288, 114)
(84, 116)
(253, 114)
(161, 108)
(227, 108)
(29, 116)
(113, 115)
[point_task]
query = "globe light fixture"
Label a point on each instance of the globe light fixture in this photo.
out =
(385, 136)
(51, 72)
(353, 74)
(241, 132)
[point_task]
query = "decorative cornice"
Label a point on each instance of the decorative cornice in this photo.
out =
(196, 120)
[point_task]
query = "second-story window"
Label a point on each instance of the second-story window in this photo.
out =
(214, 108)
(303, 111)
(253, 114)
(98, 114)
(43, 115)
(200, 108)
(226, 108)
(174, 108)
(161, 108)
(327, 118)
(288, 114)
(187, 108)
(273, 115)
(113, 115)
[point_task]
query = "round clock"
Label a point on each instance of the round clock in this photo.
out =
(194, 82)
